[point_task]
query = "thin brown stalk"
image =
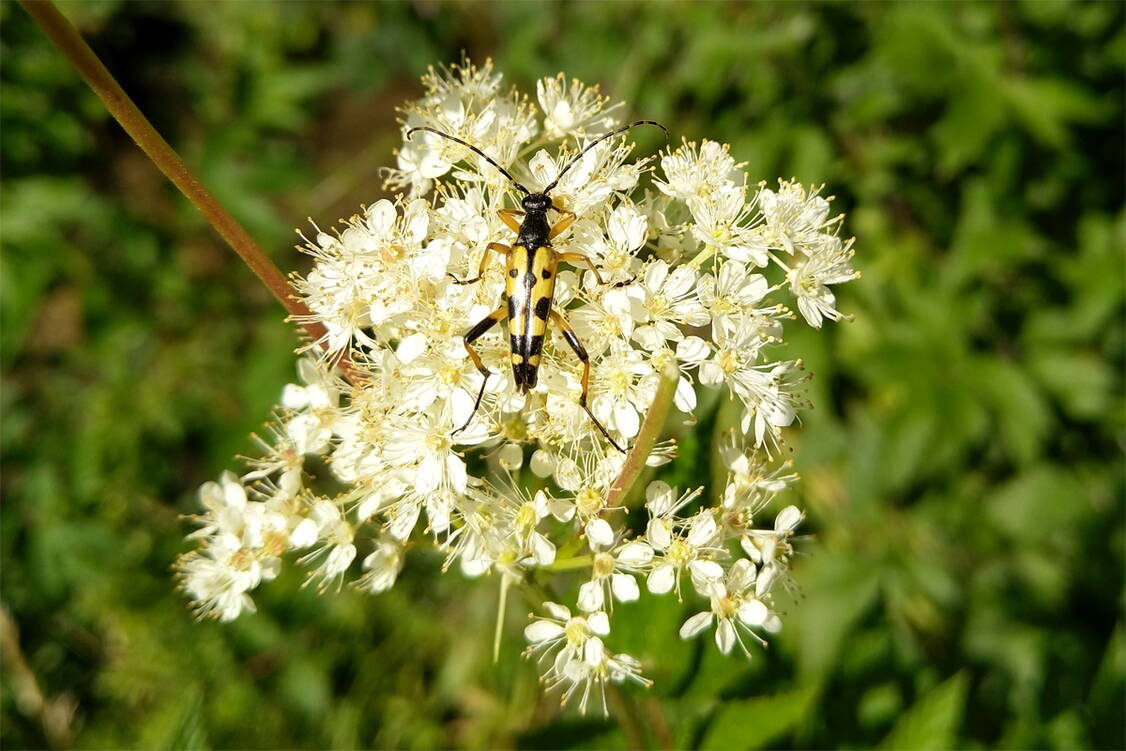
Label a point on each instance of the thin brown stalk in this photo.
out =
(646, 438)
(55, 25)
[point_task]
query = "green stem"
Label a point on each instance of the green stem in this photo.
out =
(67, 39)
(646, 437)
(501, 606)
(566, 564)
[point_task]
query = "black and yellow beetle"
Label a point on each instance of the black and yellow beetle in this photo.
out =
(530, 281)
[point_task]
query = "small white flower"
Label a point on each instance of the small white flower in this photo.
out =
(735, 609)
(795, 218)
(828, 263)
(690, 548)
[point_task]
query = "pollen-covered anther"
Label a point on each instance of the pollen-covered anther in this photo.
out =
(577, 632)
(589, 501)
(275, 543)
(438, 441)
(725, 607)
(241, 559)
(526, 518)
(602, 566)
(680, 553)
(449, 373)
(392, 253)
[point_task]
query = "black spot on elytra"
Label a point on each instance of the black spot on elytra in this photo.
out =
(546, 273)
(513, 273)
(513, 307)
(542, 306)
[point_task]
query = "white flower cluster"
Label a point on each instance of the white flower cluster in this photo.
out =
(690, 266)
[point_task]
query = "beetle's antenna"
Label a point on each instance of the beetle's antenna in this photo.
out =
(472, 148)
(599, 140)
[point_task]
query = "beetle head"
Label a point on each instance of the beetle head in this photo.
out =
(536, 202)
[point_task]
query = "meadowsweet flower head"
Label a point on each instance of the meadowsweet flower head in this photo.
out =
(672, 273)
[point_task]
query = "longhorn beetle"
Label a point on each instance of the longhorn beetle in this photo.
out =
(529, 285)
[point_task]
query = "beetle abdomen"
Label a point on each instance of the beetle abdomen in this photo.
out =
(530, 287)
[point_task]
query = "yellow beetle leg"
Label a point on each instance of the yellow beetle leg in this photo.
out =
(562, 225)
(580, 352)
(577, 258)
(498, 248)
(508, 216)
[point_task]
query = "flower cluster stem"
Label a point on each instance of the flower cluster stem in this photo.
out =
(646, 437)
(67, 39)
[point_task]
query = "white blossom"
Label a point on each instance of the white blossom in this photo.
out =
(375, 448)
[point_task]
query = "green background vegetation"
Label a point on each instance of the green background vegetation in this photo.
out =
(962, 468)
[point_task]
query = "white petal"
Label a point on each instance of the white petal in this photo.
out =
(543, 550)
(455, 472)
(593, 651)
(624, 587)
(410, 348)
(649, 337)
(234, 494)
(706, 570)
(598, 623)
(626, 228)
(338, 560)
(538, 631)
(293, 396)
(753, 613)
(696, 624)
(788, 518)
(751, 549)
(625, 419)
(659, 533)
(599, 533)
(381, 217)
(765, 579)
(635, 554)
(591, 597)
(510, 456)
(711, 374)
(685, 397)
(658, 497)
(428, 476)
(725, 636)
(557, 611)
(703, 529)
(692, 349)
(661, 579)
(655, 275)
(304, 534)
(542, 463)
(461, 406)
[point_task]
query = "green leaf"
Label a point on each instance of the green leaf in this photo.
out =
(933, 721)
(189, 734)
(754, 723)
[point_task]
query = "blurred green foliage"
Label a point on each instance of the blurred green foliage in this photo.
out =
(962, 468)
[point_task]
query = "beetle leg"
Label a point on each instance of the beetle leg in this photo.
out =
(499, 248)
(580, 352)
(508, 216)
(561, 226)
(577, 258)
(471, 336)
